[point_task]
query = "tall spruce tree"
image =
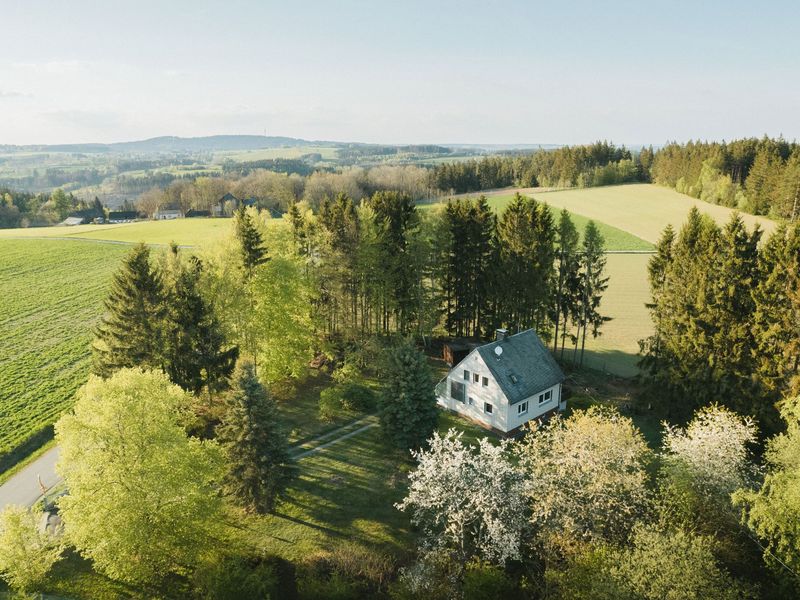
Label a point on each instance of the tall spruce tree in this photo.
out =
(567, 277)
(130, 334)
(593, 283)
(408, 403)
(196, 356)
(259, 464)
(526, 242)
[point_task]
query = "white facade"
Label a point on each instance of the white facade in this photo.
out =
(481, 389)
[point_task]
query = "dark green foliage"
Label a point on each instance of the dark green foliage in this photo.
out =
(259, 465)
(131, 331)
(252, 245)
(195, 352)
(233, 578)
(346, 572)
(593, 283)
(397, 219)
(600, 163)
(467, 259)
(408, 404)
(568, 283)
(725, 317)
(348, 396)
(525, 274)
(487, 582)
(761, 176)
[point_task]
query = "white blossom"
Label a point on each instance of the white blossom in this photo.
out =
(714, 450)
(467, 500)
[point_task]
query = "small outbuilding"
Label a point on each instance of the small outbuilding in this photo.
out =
(504, 384)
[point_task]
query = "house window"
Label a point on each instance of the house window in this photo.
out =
(466, 374)
(476, 378)
(485, 381)
(487, 408)
(471, 401)
(457, 391)
(545, 397)
(522, 408)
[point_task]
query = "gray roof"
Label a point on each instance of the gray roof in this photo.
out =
(525, 367)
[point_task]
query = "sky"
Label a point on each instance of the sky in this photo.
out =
(506, 72)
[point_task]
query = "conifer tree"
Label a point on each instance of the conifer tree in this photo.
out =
(196, 356)
(568, 277)
(408, 404)
(252, 244)
(526, 241)
(593, 283)
(259, 464)
(131, 332)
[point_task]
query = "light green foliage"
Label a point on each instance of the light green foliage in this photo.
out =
(773, 511)
(673, 565)
(268, 314)
(51, 297)
(656, 565)
(26, 552)
(142, 495)
(408, 403)
(586, 476)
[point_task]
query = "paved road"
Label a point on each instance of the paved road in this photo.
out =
(23, 488)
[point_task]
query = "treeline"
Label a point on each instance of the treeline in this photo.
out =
(601, 163)
(385, 266)
(22, 209)
(759, 176)
(726, 314)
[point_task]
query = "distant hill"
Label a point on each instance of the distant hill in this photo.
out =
(175, 145)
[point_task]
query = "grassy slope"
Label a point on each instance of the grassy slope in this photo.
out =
(641, 209)
(52, 296)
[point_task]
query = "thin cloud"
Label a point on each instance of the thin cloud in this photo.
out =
(5, 94)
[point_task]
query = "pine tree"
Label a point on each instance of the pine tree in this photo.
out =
(568, 277)
(131, 332)
(252, 244)
(409, 414)
(259, 464)
(593, 283)
(195, 353)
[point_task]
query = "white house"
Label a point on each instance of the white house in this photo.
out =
(504, 384)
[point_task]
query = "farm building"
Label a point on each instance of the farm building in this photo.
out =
(228, 204)
(504, 384)
(168, 214)
(122, 216)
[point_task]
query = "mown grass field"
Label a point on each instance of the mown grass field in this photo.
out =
(185, 232)
(52, 296)
(640, 209)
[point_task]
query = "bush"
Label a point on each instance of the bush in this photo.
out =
(346, 396)
(348, 571)
(234, 577)
(487, 582)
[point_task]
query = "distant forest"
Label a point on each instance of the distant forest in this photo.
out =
(758, 176)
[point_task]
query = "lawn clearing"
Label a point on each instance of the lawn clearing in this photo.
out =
(52, 296)
(287, 152)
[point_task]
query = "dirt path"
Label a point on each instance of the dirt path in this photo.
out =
(23, 488)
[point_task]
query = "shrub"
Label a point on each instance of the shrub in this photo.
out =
(346, 396)
(487, 582)
(348, 571)
(234, 577)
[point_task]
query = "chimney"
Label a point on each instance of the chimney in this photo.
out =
(500, 334)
